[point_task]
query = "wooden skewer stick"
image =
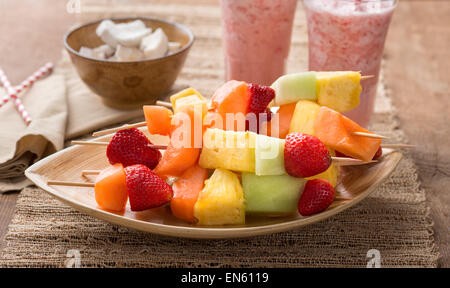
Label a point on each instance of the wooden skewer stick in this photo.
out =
(369, 135)
(70, 183)
(164, 103)
(98, 143)
(90, 172)
(397, 146)
(365, 77)
(345, 161)
(169, 105)
(92, 143)
(112, 130)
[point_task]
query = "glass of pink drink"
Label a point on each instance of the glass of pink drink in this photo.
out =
(350, 35)
(256, 38)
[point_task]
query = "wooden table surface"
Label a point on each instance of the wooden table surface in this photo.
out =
(418, 74)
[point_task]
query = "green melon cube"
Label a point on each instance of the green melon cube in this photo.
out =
(291, 88)
(271, 195)
(269, 156)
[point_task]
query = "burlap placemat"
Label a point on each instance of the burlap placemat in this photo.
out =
(394, 219)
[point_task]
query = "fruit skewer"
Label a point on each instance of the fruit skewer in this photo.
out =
(341, 161)
(193, 96)
(100, 143)
(116, 184)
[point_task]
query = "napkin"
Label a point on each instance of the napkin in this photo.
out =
(62, 108)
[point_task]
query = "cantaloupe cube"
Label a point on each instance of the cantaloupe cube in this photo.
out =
(336, 131)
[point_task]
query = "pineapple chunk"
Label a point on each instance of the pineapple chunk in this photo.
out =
(338, 90)
(304, 116)
(184, 93)
(221, 201)
(191, 100)
(228, 150)
(331, 175)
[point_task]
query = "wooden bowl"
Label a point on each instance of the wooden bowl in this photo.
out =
(356, 183)
(128, 85)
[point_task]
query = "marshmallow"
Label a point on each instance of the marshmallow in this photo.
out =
(127, 34)
(85, 51)
(128, 54)
(106, 50)
(101, 52)
(155, 45)
(104, 31)
(174, 46)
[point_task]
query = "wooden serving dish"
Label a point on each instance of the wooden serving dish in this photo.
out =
(356, 183)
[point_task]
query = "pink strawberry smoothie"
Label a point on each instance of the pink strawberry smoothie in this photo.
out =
(256, 38)
(350, 35)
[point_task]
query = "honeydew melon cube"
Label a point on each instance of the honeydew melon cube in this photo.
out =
(271, 195)
(269, 156)
(291, 88)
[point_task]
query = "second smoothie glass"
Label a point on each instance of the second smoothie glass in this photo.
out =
(256, 38)
(350, 35)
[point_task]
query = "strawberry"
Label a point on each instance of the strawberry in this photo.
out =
(265, 116)
(130, 147)
(146, 189)
(317, 196)
(375, 157)
(305, 155)
(259, 97)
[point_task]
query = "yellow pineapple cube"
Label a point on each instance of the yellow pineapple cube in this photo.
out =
(304, 116)
(228, 150)
(191, 100)
(331, 175)
(185, 93)
(221, 201)
(339, 91)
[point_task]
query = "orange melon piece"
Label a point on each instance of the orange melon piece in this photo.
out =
(158, 119)
(335, 130)
(231, 97)
(111, 188)
(184, 146)
(185, 192)
(284, 114)
(212, 120)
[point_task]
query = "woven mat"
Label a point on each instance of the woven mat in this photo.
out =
(394, 219)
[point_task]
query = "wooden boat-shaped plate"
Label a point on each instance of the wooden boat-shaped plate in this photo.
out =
(356, 183)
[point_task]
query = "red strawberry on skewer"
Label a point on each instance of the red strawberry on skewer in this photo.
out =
(317, 196)
(305, 155)
(259, 97)
(146, 189)
(130, 147)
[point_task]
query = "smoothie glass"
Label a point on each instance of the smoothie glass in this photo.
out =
(256, 38)
(350, 35)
